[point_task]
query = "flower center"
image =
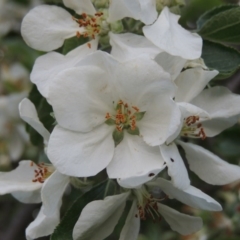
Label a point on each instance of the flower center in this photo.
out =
(91, 26)
(193, 128)
(42, 171)
(147, 205)
(126, 117)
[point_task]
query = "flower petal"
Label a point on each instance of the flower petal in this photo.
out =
(52, 192)
(81, 97)
(28, 113)
(98, 218)
(209, 167)
(191, 82)
(176, 168)
(47, 66)
(19, 179)
(144, 10)
(42, 225)
(160, 121)
(140, 80)
(81, 154)
(134, 162)
(49, 32)
(83, 6)
(170, 37)
(219, 102)
(171, 64)
(28, 197)
(127, 46)
(132, 225)
(191, 196)
(217, 125)
(181, 223)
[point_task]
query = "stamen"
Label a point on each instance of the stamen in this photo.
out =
(42, 172)
(193, 129)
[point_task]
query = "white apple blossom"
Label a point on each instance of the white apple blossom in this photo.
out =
(49, 33)
(32, 182)
(205, 113)
(168, 35)
(164, 35)
(111, 118)
(98, 218)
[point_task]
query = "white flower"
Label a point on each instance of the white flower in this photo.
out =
(49, 33)
(205, 113)
(98, 218)
(111, 117)
(32, 182)
(47, 66)
(12, 130)
(167, 34)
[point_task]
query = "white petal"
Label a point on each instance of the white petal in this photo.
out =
(81, 97)
(52, 192)
(217, 125)
(46, 27)
(19, 179)
(82, 6)
(98, 218)
(191, 196)
(47, 66)
(132, 225)
(144, 10)
(42, 226)
(140, 80)
(181, 223)
(209, 167)
(81, 154)
(160, 121)
(148, 11)
(28, 113)
(134, 162)
(127, 46)
(28, 197)
(191, 82)
(176, 168)
(189, 109)
(170, 37)
(171, 64)
(219, 102)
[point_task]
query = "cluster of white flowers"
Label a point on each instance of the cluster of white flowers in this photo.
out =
(124, 111)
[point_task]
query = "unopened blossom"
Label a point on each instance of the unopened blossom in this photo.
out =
(49, 33)
(99, 218)
(110, 117)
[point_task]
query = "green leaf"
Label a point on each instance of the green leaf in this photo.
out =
(222, 27)
(222, 58)
(65, 228)
(71, 43)
(209, 14)
(117, 136)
